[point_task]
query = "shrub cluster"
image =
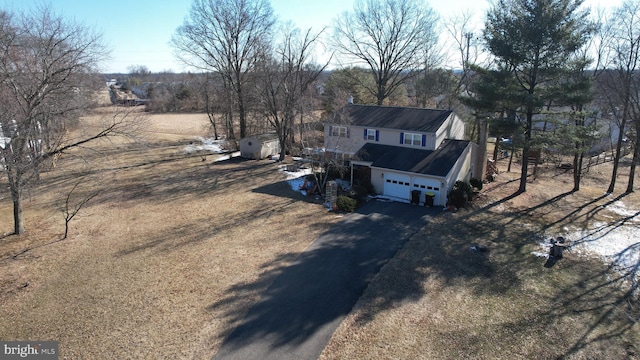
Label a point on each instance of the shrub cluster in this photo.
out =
(346, 204)
(461, 194)
(476, 183)
(359, 193)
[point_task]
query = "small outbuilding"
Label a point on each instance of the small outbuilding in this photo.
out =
(259, 146)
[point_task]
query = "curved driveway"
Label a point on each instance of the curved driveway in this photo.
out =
(298, 313)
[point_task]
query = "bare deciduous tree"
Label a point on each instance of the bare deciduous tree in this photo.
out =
(286, 78)
(228, 37)
(73, 203)
(47, 80)
(393, 38)
(621, 82)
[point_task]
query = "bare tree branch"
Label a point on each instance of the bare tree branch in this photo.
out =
(392, 38)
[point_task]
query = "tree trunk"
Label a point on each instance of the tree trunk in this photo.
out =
(242, 114)
(481, 163)
(511, 158)
(495, 148)
(18, 220)
(577, 171)
(229, 123)
(616, 158)
(283, 144)
(632, 170)
(212, 120)
(525, 152)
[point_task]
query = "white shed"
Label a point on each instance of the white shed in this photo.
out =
(259, 146)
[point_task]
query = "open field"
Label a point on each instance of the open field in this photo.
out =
(150, 265)
(175, 248)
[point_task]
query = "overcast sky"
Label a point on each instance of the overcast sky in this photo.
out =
(138, 32)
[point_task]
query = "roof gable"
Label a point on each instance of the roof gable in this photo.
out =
(392, 117)
(437, 162)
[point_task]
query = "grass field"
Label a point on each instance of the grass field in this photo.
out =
(175, 248)
(438, 299)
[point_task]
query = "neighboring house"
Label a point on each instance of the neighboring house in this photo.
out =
(4, 140)
(400, 150)
(259, 146)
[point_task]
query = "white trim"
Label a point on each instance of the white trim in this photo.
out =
(339, 132)
(414, 137)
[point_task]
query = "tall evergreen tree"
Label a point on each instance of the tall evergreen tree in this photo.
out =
(534, 38)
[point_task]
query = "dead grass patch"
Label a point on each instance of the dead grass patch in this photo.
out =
(175, 250)
(437, 299)
(168, 236)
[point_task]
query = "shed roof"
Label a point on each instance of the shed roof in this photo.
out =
(392, 117)
(265, 137)
(437, 162)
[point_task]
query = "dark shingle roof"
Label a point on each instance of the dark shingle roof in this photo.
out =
(428, 162)
(391, 117)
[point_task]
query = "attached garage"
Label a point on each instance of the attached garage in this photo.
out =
(396, 172)
(397, 186)
(425, 186)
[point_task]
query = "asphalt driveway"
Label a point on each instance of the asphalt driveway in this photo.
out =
(296, 316)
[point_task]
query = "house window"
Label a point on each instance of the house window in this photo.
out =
(339, 131)
(371, 135)
(341, 158)
(412, 139)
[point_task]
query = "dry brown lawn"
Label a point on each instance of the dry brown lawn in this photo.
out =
(174, 250)
(437, 299)
(153, 265)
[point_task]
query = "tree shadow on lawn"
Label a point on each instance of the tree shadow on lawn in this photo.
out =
(155, 173)
(283, 189)
(603, 299)
(576, 307)
(186, 234)
(309, 298)
(608, 298)
(176, 181)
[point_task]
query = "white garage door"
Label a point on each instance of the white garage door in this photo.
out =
(397, 185)
(426, 186)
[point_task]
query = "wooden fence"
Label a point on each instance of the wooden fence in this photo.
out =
(602, 158)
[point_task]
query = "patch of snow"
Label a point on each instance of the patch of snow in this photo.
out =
(621, 209)
(4, 141)
(296, 175)
(541, 254)
(617, 243)
(207, 145)
(296, 178)
(381, 198)
(227, 156)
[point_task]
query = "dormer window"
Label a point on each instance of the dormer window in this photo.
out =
(412, 139)
(371, 134)
(339, 131)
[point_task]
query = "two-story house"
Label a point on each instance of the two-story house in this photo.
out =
(400, 149)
